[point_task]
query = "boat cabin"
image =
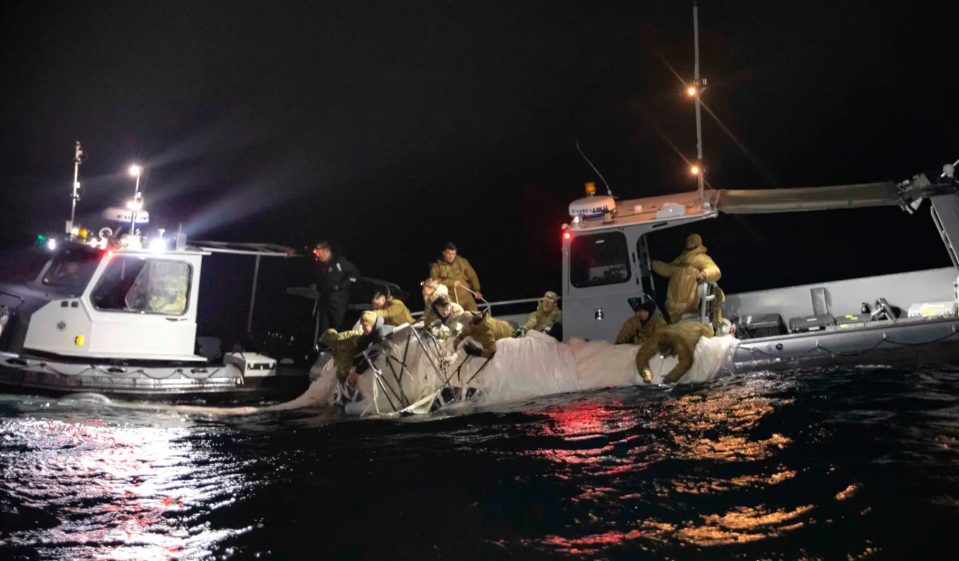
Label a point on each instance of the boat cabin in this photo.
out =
(73, 298)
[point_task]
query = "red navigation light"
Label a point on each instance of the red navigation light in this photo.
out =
(567, 235)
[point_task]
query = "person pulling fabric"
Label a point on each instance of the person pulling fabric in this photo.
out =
(640, 327)
(547, 318)
(685, 273)
(485, 332)
(346, 347)
(375, 330)
(393, 311)
(459, 277)
(445, 312)
(678, 339)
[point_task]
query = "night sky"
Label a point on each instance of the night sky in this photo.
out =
(389, 127)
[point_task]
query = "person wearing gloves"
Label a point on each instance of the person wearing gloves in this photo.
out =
(547, 318)
(394, 312)
(484, 332)
(347, 346)
(458, 276)
(678, 339)
(685, 273)
(640, 327)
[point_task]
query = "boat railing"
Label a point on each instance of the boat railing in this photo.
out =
(485, 304)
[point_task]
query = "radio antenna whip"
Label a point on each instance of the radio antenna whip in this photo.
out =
(78, 157)
(580, 150)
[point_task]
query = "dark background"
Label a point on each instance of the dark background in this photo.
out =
(389, 128)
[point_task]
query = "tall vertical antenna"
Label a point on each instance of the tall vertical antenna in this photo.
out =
(699, 89)
(77, 160)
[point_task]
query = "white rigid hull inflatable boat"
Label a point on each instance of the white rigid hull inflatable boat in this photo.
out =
(94, 315)
(606, 260)
(115, 313)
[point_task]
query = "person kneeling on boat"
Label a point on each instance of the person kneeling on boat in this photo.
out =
(394, 312)
(685, 273)
(640, 327)
(547, 318)
(678, 339)
(484, 332)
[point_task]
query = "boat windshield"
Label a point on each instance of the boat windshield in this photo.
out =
(73, 267)
(22, 265)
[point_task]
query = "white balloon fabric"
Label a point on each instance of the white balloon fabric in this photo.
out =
(532, 366)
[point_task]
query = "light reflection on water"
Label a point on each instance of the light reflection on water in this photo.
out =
(812, 466)
(118, 491)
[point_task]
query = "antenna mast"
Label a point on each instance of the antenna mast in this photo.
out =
(698, 84)
(77, 160)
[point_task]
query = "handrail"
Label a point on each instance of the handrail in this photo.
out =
(489, 304)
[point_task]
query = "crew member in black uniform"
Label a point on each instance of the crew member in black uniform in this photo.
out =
(334, 277)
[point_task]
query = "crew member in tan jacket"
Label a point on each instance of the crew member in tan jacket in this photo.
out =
(458, 276)
(692, 268)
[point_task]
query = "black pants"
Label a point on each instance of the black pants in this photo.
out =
(332, 312)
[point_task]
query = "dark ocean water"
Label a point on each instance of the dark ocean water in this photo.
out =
(859, 464)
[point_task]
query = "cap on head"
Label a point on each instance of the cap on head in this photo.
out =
(551, 296)
(368, 319)
(649, 305)
(694, 241)
(644, 302)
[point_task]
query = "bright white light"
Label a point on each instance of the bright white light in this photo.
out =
(75, 232)
(52, 244)
(158, 244)
(135, 170)
(135, 205)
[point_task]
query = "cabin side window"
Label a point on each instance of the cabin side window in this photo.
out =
(72, 268)
(138, 285)
(599, 260)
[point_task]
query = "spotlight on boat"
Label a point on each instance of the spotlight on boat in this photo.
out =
(135, 170)
(694, 170)
(52, 244)
(691, 91)
(158, 245)
(135, 205)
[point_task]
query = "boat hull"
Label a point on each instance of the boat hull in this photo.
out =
(165, 383)
(904, 341)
